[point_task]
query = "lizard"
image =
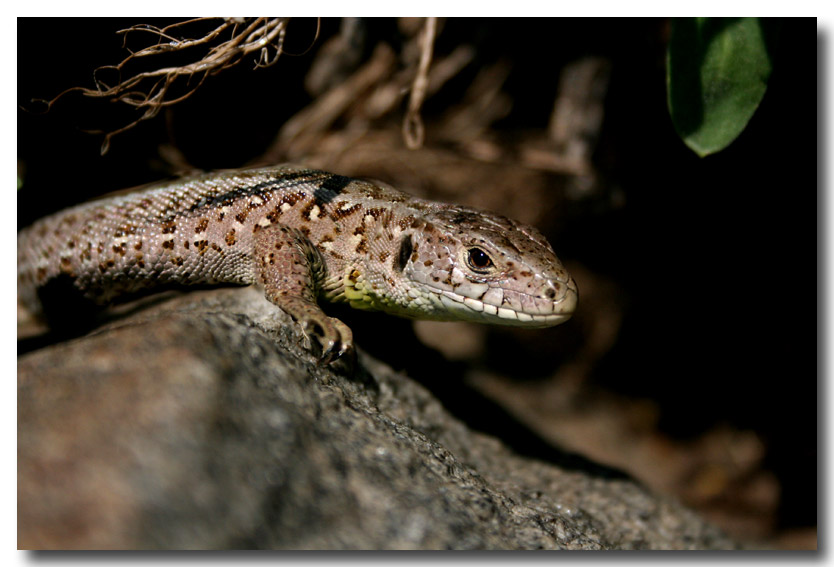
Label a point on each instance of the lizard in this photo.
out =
(303, 235)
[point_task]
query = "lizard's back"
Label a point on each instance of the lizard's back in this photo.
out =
(190, 231)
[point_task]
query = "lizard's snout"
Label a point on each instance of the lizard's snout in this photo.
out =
(565, 296)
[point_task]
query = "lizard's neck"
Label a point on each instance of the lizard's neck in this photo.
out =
(377, 243)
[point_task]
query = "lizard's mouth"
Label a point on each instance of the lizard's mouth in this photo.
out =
(548, 312)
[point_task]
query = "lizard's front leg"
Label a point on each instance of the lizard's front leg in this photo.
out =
(288, 267)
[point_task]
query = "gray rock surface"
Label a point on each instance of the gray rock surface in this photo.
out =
(201, 422)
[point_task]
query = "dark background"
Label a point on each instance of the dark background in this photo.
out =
(718, 256)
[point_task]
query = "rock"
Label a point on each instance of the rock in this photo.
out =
(201, 422)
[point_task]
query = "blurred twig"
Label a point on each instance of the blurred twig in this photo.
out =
(413, 130)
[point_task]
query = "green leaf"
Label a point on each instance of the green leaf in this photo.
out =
(716, 75)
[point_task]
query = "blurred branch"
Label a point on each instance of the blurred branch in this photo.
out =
(413, 130)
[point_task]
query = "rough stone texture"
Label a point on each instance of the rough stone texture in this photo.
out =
(201, 423)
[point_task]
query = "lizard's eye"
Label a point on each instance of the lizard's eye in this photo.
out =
(478, 260)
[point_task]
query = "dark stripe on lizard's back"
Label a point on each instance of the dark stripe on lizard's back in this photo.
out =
(282, 181)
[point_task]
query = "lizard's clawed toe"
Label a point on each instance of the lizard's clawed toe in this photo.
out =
(332, 337)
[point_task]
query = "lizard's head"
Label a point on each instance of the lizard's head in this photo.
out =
(465, 264)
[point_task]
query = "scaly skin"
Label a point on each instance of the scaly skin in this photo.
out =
(303, 235)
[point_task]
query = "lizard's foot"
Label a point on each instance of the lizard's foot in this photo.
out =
(328, 335)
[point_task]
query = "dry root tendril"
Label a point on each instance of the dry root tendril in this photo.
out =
(152, 90)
